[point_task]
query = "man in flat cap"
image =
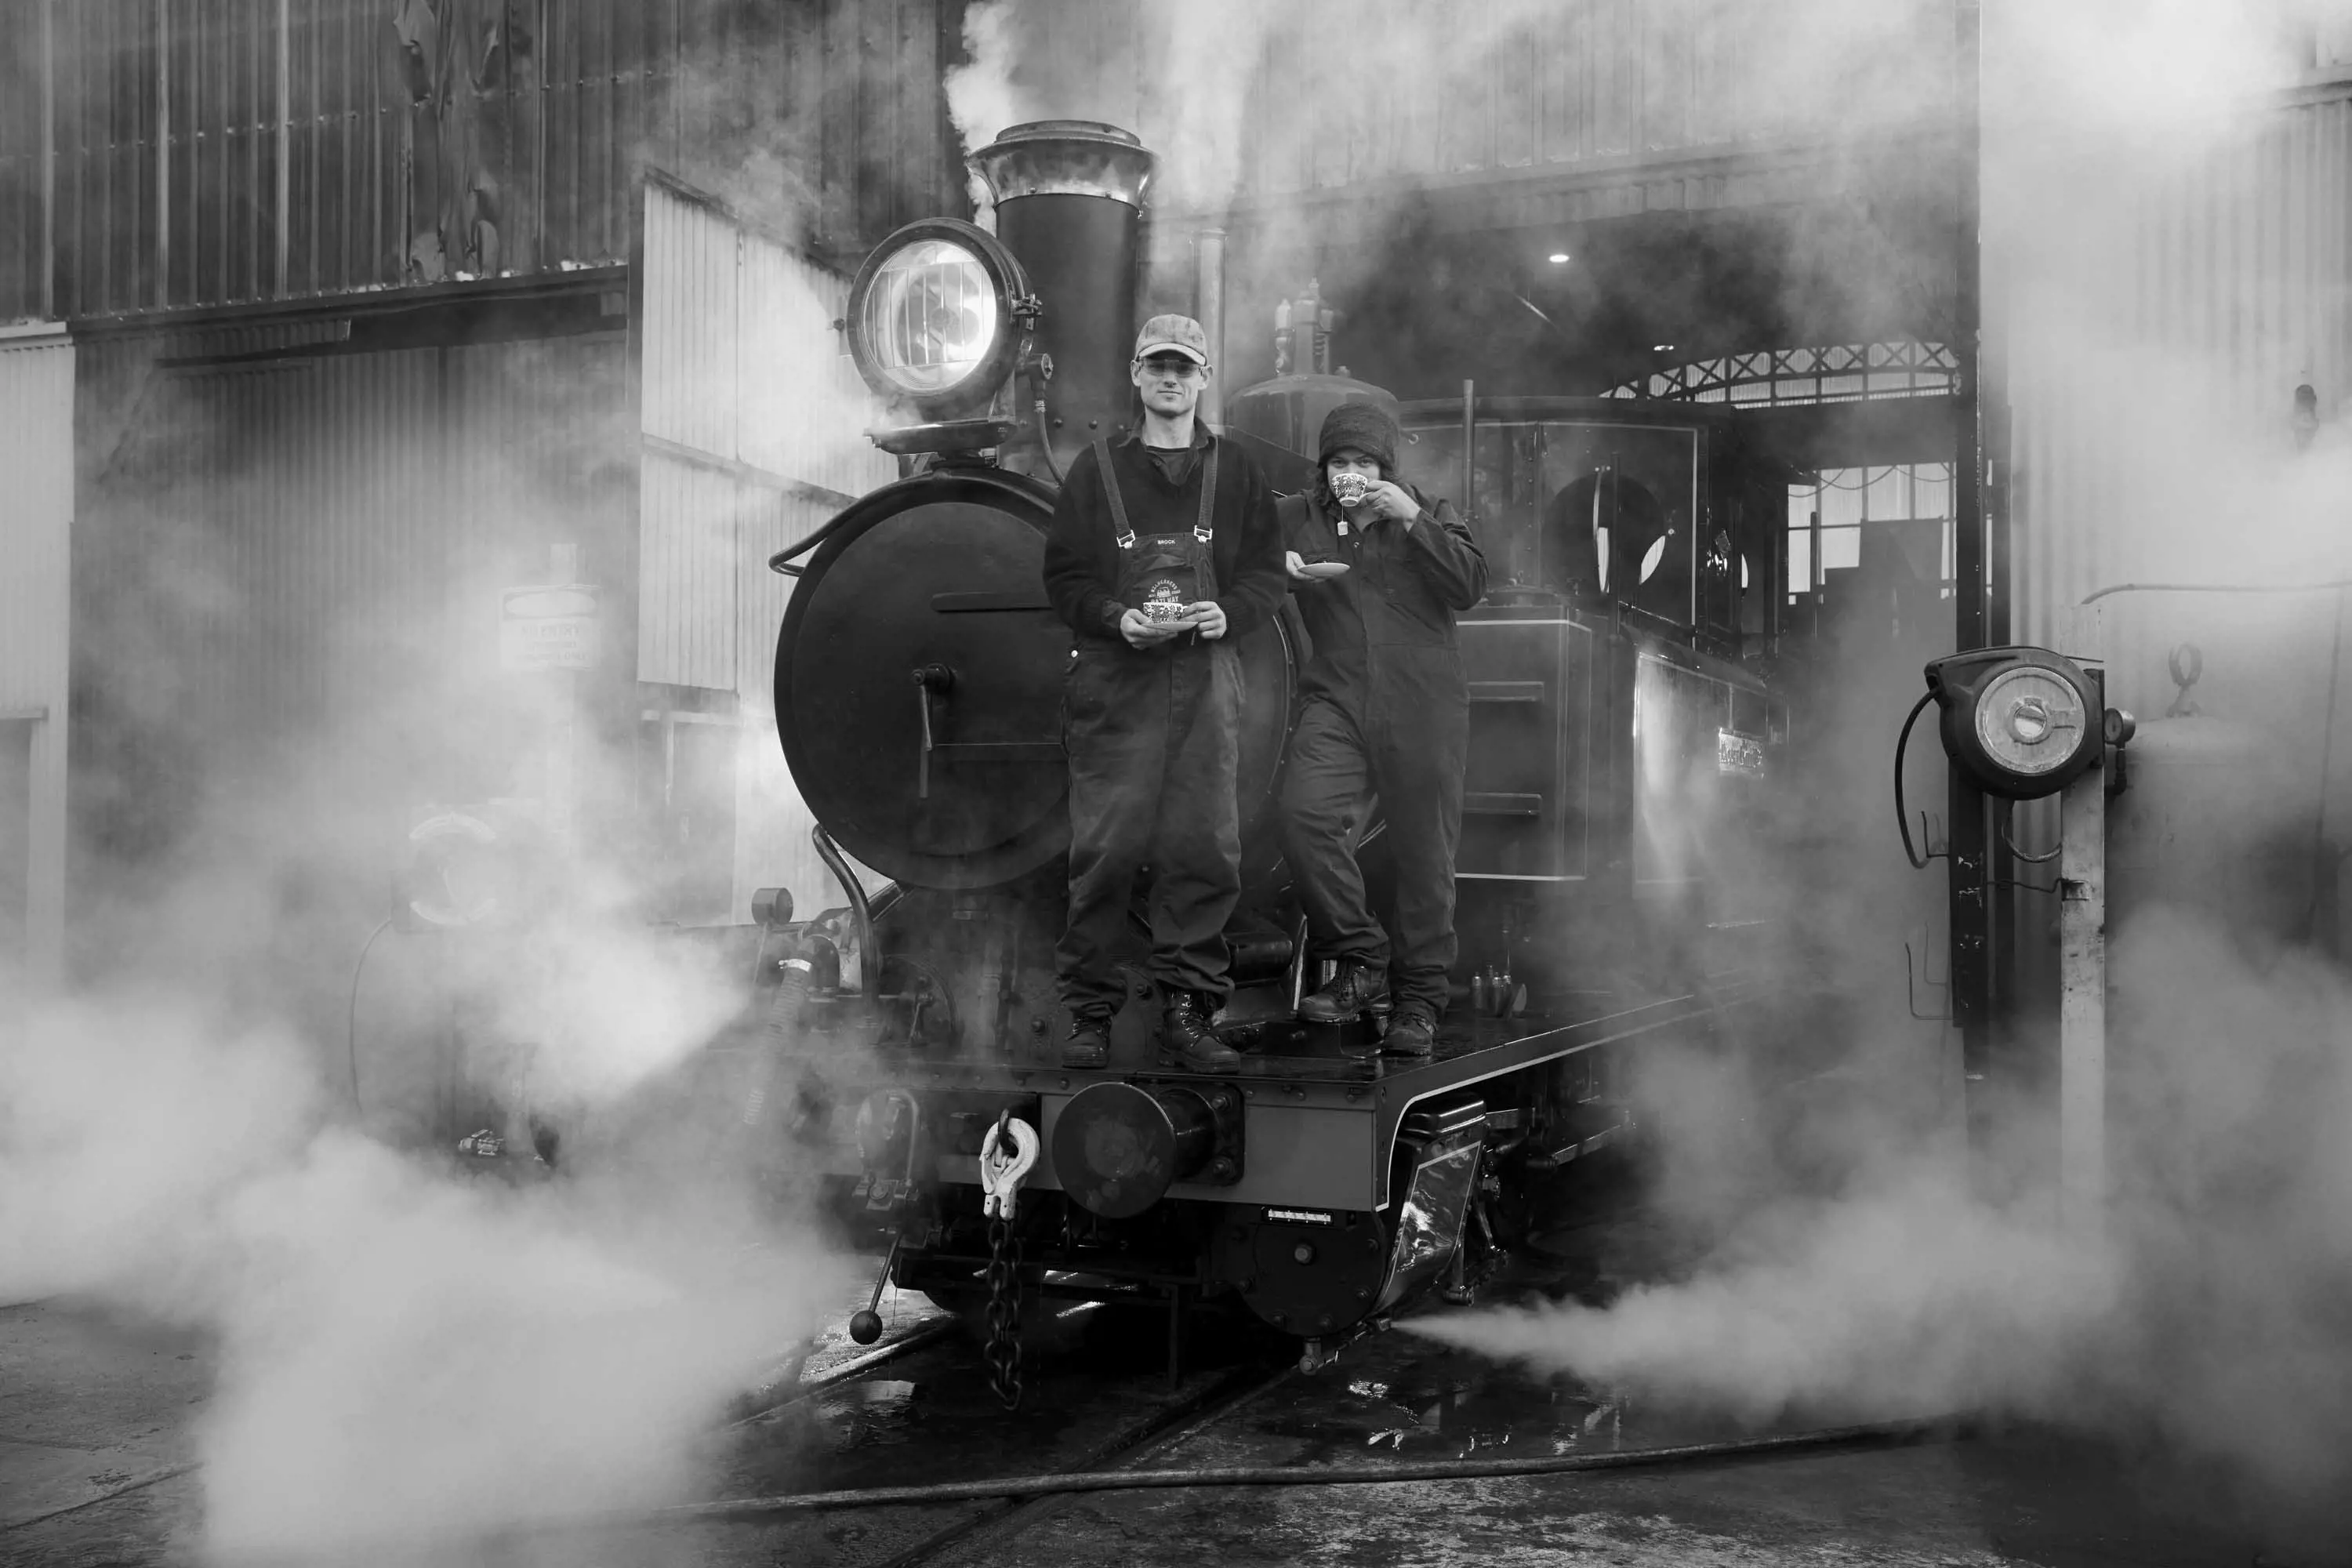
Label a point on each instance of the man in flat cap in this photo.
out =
(1164, 550)
(1385, 716)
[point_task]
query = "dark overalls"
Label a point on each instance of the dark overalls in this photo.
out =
(1385, 713)
(1153, 734)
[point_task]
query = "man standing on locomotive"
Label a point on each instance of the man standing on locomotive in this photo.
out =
(1164, 550)
(1384, 712)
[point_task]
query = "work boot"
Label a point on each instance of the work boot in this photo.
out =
(1412, 1033)
(1185, 1033)
(1088, 1045)
(1355, 987)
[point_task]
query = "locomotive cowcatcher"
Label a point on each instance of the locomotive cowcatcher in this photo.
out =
(1615, 809)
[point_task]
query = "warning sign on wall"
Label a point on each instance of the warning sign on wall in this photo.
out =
(551, 626)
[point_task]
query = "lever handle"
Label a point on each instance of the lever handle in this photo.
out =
(929, 678)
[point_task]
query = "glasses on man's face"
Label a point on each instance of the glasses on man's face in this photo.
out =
(1171, 367)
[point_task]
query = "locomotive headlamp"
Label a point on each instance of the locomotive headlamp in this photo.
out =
(932, 316)
(2021, 722)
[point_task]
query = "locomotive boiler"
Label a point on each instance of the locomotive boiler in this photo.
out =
(1622, 751)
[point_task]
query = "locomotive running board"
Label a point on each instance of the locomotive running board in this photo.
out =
(1321, 1128)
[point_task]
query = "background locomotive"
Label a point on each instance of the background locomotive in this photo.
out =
(1620, 754)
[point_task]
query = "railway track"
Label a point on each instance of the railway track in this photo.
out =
(917, 1410)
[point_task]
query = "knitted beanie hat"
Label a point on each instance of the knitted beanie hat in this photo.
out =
(1368, 428)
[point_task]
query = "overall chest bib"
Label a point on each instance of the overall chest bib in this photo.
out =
(1161, 574)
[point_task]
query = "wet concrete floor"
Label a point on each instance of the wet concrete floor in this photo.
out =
(90, 1404)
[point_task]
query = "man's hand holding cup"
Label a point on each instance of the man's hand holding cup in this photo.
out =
(1206, 618)
(1142, 630)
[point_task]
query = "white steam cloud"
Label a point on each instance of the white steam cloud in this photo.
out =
(404, 1353)
(1854, 1271)
(410, 1355)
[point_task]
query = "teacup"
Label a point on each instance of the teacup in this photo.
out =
(1348, 489)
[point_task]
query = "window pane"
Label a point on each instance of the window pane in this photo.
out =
(1840, 548)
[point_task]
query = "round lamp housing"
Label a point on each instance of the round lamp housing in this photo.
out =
(2023, 722)
(932, 316)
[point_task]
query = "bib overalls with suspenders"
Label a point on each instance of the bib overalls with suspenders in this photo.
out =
(1153, 737)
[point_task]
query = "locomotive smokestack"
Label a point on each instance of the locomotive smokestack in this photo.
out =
(1070, 204)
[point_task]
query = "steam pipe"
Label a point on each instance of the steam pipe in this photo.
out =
(869, 963)
(1209, 309)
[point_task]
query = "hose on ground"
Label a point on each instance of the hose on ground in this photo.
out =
(739, 1509)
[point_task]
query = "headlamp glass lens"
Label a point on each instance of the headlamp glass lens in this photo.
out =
(2030, 720)
(930, 317)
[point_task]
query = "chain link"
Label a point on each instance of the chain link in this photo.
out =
(1003, 1352)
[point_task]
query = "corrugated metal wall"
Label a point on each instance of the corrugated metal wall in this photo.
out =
(211, 152)
(287, 576)
(2153, 340)
(754, 424)
(36, 399)
(748, 397)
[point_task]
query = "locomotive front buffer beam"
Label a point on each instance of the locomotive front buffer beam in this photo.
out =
(1321, 1194)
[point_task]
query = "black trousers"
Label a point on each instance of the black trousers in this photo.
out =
(1154, 742)
(1407, 756)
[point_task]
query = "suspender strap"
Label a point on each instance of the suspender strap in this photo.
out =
(1201, 529)
(1110, 490)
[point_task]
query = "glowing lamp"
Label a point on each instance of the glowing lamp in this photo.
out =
(932, 317)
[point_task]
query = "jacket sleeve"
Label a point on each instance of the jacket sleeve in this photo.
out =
(1074, 583)
(1259, 582)
(1441, 549)
(1290, 518)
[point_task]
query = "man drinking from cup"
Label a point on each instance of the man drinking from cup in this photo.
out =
(1164, 550)
(1380, 571)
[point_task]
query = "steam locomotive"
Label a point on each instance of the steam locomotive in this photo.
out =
(1620, 759)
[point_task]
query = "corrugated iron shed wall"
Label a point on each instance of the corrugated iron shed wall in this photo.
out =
(747, 395)
(36, 399)
(216, 152)
(2153, 340)
(754, 425)
(286, 578)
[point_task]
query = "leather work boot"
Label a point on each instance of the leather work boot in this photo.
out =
(1088, 1045)
(1412, 1033)
(1355, 987)
(1185, 1034)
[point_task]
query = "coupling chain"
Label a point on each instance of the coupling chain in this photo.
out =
(1003, 1352)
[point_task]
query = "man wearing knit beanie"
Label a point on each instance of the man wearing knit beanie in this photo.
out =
(1380, 571)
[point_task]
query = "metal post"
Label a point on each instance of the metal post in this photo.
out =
(163, 156)
(49, 159)
(284, 139)
(2083, 970)
(1970, 586)
(1469, 502)
(1969, 908)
